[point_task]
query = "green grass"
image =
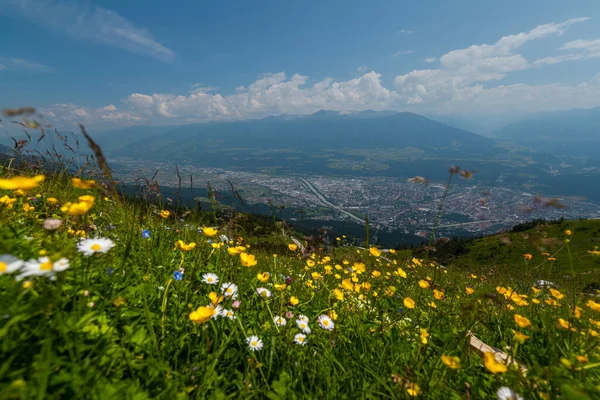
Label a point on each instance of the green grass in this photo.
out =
(502, 254)
(117, 325)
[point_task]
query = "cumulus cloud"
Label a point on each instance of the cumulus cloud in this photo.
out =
(82, 21)
(19, 64)
(430, 60)
(462, 72)
(467, 80)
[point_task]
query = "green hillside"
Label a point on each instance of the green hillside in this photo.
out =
(503, 254)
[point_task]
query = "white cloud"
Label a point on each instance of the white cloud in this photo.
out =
(463, 71)
(467, 80)
(19, 64)
(407, 31)
(82, 21)
(430, 60)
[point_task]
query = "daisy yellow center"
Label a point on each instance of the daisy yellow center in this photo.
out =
(96, 247)
(210, 279)
(3, 266)
(254, 343)
(326, 323)
(303, 325)
(301, 339)
(47, 266)
(229, 290)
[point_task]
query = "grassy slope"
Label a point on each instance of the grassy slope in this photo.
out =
(503, 254)
(117, 325)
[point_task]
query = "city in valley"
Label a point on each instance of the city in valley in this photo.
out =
(391, 204)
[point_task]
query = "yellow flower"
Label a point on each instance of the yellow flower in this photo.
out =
(564, 324)
(183, 246)
(558, 295)
(359, 267)
(76, 209)
(577, 312)
(492, 365)
(432, 305)
(210, 232)
(423, 284)
(593, 305)
(424, 335)
(527, 256)
(27, 207)
(315, 275)
(294, 300)
(21, 182)
(523, 322)
(409, 303)
(202, 315)
(469, 290)
(390, 291)
(7, 201)
(310, 263)
(332, 314)
(413, 389)
(240, 249)
(400, 272)
(292, 246)
(263, 277)
(347, 284)
(338, 294)
(568, 232)
(248, 260)
(165, 213)
(215, 298)
(83, 184)
(27, 284)
(451, 362)
(500, 289)
(280, 286)
(392, 251)
(438, 294)
(594, 322)
(119, 301)
(51, 200)
(582, 359)
(535, 290)
(375, 251)
(520, 337)
(232, 251)
(217, 245)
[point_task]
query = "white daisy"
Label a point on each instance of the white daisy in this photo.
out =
(92, 246)
(303, 326)
(505, 393)
(9, 264)
(303, 318)
(254, 343)
(325, 322)
(262, 292)
(300, 339)
(280, 321)
(218, 312)
(229, 290)
(43, 267)
(228, 314)
(211, 279)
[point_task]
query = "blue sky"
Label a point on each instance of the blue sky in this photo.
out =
(112, 63)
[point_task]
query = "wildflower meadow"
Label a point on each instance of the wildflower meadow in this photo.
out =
(104, 297)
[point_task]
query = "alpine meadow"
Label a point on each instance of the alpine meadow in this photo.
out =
(185, 215)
